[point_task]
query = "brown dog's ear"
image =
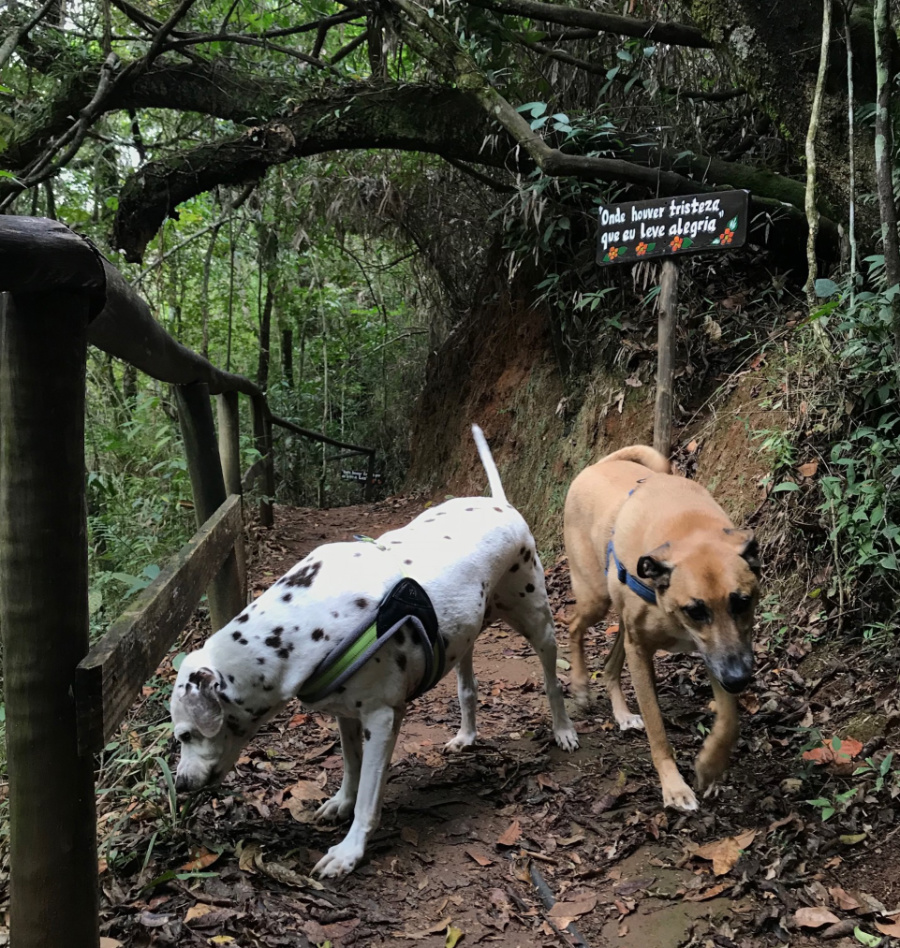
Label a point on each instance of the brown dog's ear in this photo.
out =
(655, 569)
(748, 549)
(202, 702)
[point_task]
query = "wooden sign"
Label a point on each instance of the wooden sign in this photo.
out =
(377, 479)
(669, 227)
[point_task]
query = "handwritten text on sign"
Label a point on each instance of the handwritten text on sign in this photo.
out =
(667, 226)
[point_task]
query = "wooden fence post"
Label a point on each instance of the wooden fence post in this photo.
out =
(370, 474)
(44, 618)
(665, 372)
(225, 595)
(228, 408)
(262, 434)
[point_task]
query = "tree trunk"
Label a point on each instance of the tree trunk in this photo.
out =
(287, 356)
(265, 332)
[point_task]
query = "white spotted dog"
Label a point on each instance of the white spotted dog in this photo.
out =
(475, 557)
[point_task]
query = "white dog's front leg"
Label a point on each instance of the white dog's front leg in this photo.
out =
(342, 803)
(467, 689)
(380, 730)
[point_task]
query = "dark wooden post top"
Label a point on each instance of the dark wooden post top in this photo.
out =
(39, 255)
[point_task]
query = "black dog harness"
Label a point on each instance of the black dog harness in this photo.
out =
(407, 604)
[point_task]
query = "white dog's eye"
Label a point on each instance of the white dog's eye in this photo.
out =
(184, 738)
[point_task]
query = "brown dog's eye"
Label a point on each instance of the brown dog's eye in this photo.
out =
(696, 610)
(739, 603)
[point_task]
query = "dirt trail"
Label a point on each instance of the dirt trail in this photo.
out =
(460, 833)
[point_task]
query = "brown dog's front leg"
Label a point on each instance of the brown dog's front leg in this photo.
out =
(715, 754)
(676, 793)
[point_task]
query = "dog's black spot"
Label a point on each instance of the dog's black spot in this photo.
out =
(529, 588)
(362, 603)
(407, 562)
(359, 704)
(401, 662)
(522, 551)
(236, 635)
(340, 690)
(396, 542)
(239, 701)
(231, 678)
(327, 638)
(448, 538)
(243, 617)
(527, 555)
(305, 575)
(274, 641)
(441, 513)
(261, 679)
(286, 597)
(451, 658)
(195, 678)
(514, 567)
(430, 520)
(224, 697)
(377, 660)
(498, 509)
(243, 641)
(334, 615)
(278, 630)
(399, 637)
(317, 634)
(261, 661)
(357, 554)
(521, 595)
(252, 605)
(285, 652)
(268, 687)
(469, 509)
(367, 734)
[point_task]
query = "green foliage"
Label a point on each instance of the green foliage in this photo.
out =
(861, 497)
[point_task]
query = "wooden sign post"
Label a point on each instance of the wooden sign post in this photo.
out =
(669, 228)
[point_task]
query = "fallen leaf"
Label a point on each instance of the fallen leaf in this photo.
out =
(834, 751)
(111, 943)
(724, 853)
(453, 936)
(692, 447)
(197, 911)
(306, 790)
(479, 858)
(809, 469)
(574, 909)
(410, 835)
(864, 938)
(612, 629)
(200, 859)
(814, 917)
(510, 835)
(440, 926)
(843, 899)
(891, 929)
(710, 893)
(247, 856)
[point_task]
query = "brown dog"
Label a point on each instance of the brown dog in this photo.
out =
(663, 554)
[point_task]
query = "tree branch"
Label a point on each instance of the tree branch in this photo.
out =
(16, 37)
(658, 31)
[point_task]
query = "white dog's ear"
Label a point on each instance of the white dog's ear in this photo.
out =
(202, 702)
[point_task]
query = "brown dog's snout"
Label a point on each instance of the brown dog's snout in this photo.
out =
(734, 670)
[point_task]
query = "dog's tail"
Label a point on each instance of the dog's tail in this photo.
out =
(641, 454)
(484, 452)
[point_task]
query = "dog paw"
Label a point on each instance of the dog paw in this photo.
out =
(708, 772)
(338, 861)
(566, 738)
(630, 722)
(460, 742)
(337, 808)
(680, 798)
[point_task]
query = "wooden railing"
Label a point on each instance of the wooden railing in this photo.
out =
(64, 701)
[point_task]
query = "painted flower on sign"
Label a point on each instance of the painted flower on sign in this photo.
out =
(641, 249)
(726, 236)
(613, 253)
(675, 243)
